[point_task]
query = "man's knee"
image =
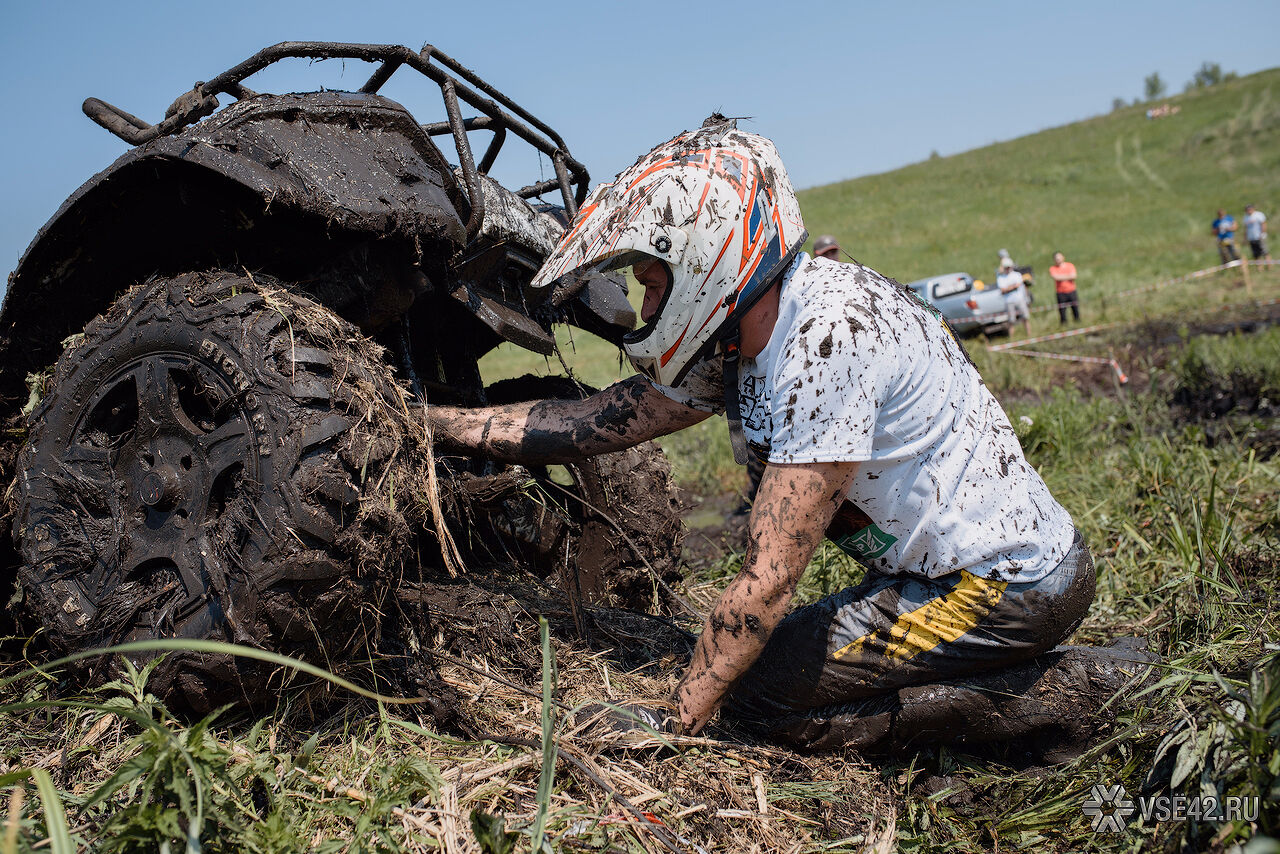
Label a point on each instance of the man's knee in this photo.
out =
(1040, 615)
(798, 688)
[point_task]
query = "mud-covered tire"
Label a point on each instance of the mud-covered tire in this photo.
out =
(216, 459)
(619, 521)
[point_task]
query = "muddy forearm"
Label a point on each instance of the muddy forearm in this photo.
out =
(792, 510)
(559, 431)
(733, 636)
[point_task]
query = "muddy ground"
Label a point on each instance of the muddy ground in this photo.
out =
(469, 648)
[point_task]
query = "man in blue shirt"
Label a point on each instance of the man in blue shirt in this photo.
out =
(1224, 228)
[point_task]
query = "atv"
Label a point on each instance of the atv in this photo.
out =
(214, 445)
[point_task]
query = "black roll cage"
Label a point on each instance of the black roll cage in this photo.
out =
(456, 82)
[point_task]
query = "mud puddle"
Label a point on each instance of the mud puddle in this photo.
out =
(716, 527)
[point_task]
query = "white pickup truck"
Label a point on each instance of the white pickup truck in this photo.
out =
(970, 307)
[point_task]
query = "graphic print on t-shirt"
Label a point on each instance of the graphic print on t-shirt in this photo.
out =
(755, 409)
(856, 534)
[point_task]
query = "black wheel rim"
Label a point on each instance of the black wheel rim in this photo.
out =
(170, 444)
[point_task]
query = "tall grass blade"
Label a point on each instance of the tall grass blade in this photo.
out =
(10, 843)
(54, 815)
(547, 776)
(219, 648)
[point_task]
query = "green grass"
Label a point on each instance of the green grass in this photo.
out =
(1127, 199)
(1186, 534)
(1184, 528)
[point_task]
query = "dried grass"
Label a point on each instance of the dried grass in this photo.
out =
(710, 794)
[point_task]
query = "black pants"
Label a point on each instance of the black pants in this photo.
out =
(1065, 300)
(891, 632)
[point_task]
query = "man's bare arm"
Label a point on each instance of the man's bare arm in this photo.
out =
(560, 431)
(792, 509)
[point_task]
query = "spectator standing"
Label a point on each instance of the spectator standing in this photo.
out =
(1004, 256)
(1224, 228)
(1063, 273)
(1010, 283)
(1255, 231)
(826, 247)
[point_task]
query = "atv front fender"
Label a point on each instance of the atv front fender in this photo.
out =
(269, 183)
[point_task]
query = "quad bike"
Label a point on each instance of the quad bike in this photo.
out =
(219, 449)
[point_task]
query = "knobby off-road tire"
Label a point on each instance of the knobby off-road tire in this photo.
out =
(217, 459)
(619, 522)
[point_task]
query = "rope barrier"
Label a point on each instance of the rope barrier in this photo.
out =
(1093, 360)
(1145, 289)
(1014, 347)
(1056, 336)
(1176, 280)
(1198, 274)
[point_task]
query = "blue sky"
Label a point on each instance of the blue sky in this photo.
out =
(845, 89)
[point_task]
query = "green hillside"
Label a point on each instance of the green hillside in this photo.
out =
(1127, 198)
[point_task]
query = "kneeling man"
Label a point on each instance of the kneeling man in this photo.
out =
(875, 427)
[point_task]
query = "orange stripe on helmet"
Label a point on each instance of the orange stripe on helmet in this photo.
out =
(716, 310)
(583, 216)
(716, 263)
(666, 357)
(697, 214)
(750, 242)
(671, 161)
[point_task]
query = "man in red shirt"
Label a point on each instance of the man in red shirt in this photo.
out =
(1063, 273)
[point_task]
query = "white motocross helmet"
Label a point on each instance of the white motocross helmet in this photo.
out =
(716, 205)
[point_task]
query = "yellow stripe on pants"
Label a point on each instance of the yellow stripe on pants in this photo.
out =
(943, 620)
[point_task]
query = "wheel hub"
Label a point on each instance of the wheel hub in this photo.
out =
(161, 488)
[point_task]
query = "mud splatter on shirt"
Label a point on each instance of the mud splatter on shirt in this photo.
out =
(857, 369)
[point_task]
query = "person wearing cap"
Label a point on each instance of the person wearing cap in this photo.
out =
(826, 247)
(875, 428)
(1011, 284)
(1003, 256)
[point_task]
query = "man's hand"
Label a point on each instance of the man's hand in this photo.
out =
(543, 432)
(792, 509)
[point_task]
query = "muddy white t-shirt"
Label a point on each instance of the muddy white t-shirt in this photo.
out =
(858, 369)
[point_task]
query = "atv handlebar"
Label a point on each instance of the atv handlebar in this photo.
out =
(457, 84)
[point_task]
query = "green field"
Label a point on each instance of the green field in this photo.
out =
(1127, 199)
(1174, 480)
